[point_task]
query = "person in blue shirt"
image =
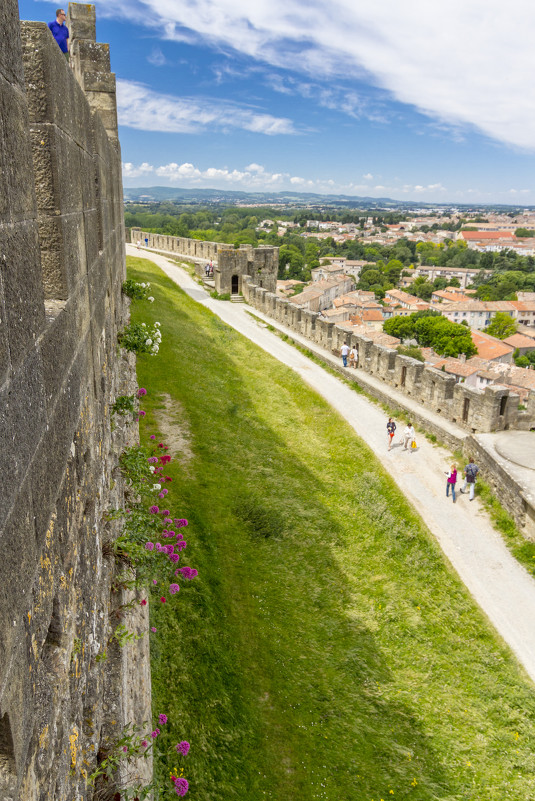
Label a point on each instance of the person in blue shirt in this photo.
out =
(60, 32)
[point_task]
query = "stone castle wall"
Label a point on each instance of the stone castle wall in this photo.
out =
(63, 687)
(494, 409)
(261, 263)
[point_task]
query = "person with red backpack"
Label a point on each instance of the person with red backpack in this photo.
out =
(470, 472)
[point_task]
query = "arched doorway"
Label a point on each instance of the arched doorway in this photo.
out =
(235, 284)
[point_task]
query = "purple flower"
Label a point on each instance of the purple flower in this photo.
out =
(141, 391)
(181, 786)
(149, 546)
(173, 589)
(183, 747)
(181, 545)
(181, 522)
(141, 413)
(155, 733)
(165, 491)
(161, 495)
(153, 628)
(154, 510)
(154, 581)
(153, 436)
(159, 547)
(168, 549)
(188, 572)
(152, 459)
(171, 533)
(174, 557)
(125, 749)
(144, 743)
(162, 719)
(179, 536)
(166, 512)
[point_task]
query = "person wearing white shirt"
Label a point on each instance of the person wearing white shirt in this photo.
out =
(408, 435)
(344, 350)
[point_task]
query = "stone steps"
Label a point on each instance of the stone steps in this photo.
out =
(237, 298)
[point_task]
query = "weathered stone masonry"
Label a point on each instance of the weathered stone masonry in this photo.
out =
(61, 270)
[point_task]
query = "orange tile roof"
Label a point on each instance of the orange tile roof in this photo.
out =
(520, 341)
(489, 347)
(475, 235)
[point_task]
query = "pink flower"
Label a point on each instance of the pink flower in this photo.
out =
(153, 628)
(161, 495)
(181, 786)
(141, 413)
(168, 549)
(171, 533)
(143, 602)
(141, 391)
(149, 546)
(154, 581)
(162, 719)
(168, 478)
(181, 545)
(155, 733)
(154, 510)
(161, 445)
(153, 436)
(188, 572)
(162, 599)
(165, 491)
(152, 459)
(173, 589)
(144, 743)
(174, 557)
(183, 747)
(165, 459)
(167, 520)
(181, 523)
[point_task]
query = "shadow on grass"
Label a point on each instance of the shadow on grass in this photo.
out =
(268, 663)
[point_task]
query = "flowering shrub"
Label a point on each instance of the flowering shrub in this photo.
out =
(141, 338)
(135, 290)
(129, 746)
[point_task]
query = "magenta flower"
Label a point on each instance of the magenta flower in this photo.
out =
(144, 743)
(173, 589)
(162, 599)
(188, 572)
(141, 413)
(181, 545)
(154, 510)
(181, 522)
(153, 436)
(161, 495)
(168, 549)
(153, 628)
(179, 536)
(125, 749)
(143, 602)
(154, 581)
(155, 733)
(183, 747)
(152, 459)
(149, 546)
(168, 478)
(141, 391)
(181, 786)
(162, 719)
(174, 557)
(171, 533)
(165, 491)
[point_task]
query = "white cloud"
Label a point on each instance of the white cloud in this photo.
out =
(368, 176)
(157, 58)
(129, 171)
(140, 107)
(463, 64)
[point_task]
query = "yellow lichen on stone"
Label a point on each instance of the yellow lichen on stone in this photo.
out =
(72, 740)
(43, 738)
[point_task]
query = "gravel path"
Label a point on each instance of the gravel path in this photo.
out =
(502, 588)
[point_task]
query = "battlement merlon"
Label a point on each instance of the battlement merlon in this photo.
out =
(90, 62)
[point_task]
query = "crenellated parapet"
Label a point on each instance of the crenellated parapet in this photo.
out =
(475, 411)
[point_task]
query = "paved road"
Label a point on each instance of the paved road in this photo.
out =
(502, 588)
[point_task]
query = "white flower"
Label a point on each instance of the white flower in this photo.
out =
(152, 468)
(144, 325)
(151, 299)
(157, 325)
(148, 341)
(156, 487)
(155, 349)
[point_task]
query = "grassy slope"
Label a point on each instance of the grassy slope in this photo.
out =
(339, 658)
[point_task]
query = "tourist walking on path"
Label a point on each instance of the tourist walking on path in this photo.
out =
(470, 472)
(344, 351)
(451, 481)
(408, 435)
(352, 358)
(391, 430)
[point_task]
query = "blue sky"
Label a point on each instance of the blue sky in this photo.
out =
(413, 101)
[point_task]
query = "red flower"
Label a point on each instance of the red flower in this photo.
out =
(162, 599)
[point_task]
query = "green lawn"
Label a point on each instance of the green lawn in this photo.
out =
(326, 650)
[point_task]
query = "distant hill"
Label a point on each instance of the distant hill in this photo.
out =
(302, 199)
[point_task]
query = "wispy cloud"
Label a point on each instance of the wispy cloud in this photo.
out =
(140, 107)
(461, 64)
(157, 58)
